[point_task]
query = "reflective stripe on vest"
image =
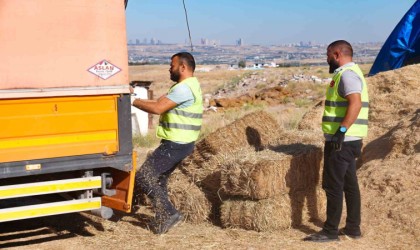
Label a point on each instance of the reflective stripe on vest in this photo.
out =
(185, 113)
(340, 119)
(336, 107)
(183, 124)
(343, 104)
(179, 126)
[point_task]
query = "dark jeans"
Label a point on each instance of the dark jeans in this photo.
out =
(340, 176)
(154, 173)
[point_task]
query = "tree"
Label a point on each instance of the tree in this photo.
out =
(242, 64)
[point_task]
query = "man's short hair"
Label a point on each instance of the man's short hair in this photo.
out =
(186, 58)
(343, 46)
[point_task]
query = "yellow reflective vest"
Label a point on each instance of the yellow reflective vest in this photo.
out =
(183, 124)
(336, 107)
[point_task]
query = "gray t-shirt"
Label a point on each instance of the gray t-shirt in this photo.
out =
(181, 95)
(350, 83)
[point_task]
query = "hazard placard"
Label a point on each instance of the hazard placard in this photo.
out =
(104, 69)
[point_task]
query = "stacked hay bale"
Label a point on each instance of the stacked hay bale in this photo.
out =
(272, 189)
(264, 174)
(256, 130)
(251, 174)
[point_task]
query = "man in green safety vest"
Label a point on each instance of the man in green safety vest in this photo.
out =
(179, 126)
(344, 123)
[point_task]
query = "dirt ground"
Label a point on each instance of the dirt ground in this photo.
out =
(82, 231)
(85, 231)
(389, 177)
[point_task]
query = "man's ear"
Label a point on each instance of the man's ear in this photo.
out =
(336, 54)
(183, 67)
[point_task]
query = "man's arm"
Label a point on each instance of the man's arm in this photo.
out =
(355, 105)
(157, 107)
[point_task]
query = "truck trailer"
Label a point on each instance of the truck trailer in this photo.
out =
(65, 119)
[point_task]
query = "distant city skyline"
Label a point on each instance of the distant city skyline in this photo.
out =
(287, 55)
(264, 22)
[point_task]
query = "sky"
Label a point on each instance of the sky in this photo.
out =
(264, 22)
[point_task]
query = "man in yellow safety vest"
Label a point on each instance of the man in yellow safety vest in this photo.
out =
(344, 124)
(179, 126)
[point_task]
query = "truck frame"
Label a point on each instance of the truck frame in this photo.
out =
(65, 119)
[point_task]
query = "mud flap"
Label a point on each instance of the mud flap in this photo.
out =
(123, 183)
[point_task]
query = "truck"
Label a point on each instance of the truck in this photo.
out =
(65, 119)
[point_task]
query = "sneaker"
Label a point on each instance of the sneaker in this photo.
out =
(321, 237)
(353, 235)
(169, 223)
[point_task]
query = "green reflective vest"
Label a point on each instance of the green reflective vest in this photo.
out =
(336, 107)
(183, 124)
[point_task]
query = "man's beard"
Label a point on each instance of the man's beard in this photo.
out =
(175, 76)
(333, 66)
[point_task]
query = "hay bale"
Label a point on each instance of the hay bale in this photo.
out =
(263, 215)
(312, 119)
(264, 174)
(276, 213)
(188, 198)
(295, 137)
(256, 130)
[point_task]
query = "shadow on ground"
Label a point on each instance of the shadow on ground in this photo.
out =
(45, 229)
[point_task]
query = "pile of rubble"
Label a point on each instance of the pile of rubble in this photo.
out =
(264, 87)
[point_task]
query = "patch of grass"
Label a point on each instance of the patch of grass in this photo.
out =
(301, 102)
(260, 85)
(233, 82)
(287, 99)
(293, 120)
(320, 90)
(147, 141)
(292, 85)
(253, 107)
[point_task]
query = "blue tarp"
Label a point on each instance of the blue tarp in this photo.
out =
(403, 45)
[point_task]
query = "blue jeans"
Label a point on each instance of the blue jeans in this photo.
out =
(153, 176)
(340, 176)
